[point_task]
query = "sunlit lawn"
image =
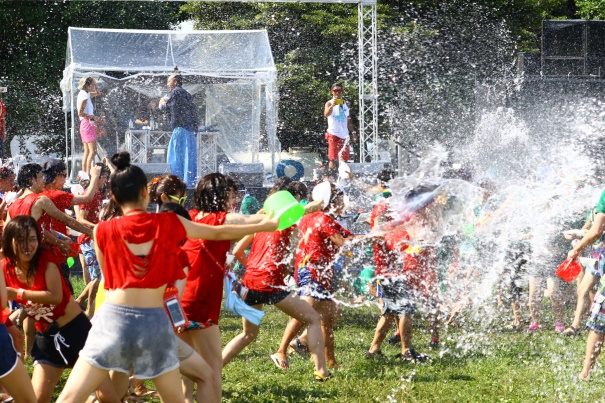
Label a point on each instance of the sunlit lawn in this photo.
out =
(476, 363)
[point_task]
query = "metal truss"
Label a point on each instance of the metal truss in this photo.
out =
(368, 80)
(206, 153)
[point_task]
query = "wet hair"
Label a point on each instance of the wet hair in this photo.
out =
(211, 193)
(6, 172)
(280, 184)
(18, 229)
(177, 78)
(175, 208)
(336, 85)
(26, 173)
(110, 210)
(299, 189)
(84, 81)
(128, 180)
(51, 174)
(386, 175)
(170, 185)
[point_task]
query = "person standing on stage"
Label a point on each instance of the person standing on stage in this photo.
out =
(340, 124)
(184, 121)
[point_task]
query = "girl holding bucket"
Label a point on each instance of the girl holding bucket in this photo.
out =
(266, 267)
(321, 237)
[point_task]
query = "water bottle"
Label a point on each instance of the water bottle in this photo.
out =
(130, 124)
(152, 123)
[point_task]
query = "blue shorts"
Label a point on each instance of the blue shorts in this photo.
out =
(8, 354)
(309, 287)
(90, 257)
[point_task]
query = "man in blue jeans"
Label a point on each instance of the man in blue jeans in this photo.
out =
(184, 122)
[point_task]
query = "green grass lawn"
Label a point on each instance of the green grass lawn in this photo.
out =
(477, 363)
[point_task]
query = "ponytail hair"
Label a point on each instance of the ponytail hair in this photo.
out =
(128, 180)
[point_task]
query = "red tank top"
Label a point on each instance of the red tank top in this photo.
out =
(123, 269)
(204, 288)
(44, 314)
(267, 261)
(23, 206)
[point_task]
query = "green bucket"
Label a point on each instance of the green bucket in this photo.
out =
(284, 206)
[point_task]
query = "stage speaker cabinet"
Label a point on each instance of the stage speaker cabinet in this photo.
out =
(154, 169)
(250, 174)
(366, 170)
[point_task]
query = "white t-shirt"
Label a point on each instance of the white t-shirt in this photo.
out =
(337, 121)
(88, 109)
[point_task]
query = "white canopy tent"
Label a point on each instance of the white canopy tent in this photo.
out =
(231, 75)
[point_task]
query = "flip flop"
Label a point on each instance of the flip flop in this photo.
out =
(280, 362)
(321, 378)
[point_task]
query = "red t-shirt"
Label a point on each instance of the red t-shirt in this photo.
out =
(203, 292)
(123, 269)
(387, 260)
(316, 247)
(92, 213)
(62, 200)
(44, 314)
(23, 206)
(267, 261)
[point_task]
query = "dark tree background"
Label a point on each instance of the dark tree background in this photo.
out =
(431, 54)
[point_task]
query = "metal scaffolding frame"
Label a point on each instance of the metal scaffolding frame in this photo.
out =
(368, 70)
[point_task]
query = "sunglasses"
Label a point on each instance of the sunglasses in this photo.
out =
(335, 90)
(179, 200)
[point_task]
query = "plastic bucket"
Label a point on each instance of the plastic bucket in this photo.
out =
(284, 206)
(569, 270)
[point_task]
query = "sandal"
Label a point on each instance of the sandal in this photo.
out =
(280, 362)
(300, 348)
(6, 398)
(412, 356)
(376, 354)
(571, 331)
(322, 378)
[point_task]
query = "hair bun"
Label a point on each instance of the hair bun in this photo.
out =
(121, 160)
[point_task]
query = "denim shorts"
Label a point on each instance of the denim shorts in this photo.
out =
(90, 257)
(8, 354)
(137, 341)
(309, 287)
(396, 297)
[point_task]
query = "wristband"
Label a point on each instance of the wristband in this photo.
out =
(20, 294)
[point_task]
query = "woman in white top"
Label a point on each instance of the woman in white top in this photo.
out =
(88, 89)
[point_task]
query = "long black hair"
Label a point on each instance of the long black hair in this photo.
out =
(212, 193)
(26, 173)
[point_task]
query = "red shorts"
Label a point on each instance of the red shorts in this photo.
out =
(335, 145)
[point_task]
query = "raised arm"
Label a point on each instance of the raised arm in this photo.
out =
(242, 219)
(595, 231)
(91, 190)
(227, 232)
(48, 207)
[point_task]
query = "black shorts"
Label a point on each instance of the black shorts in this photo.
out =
(8, 354)
(60, 347)
(265, 298)
(396, 297)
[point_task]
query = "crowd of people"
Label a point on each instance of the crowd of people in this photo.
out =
(155, 274)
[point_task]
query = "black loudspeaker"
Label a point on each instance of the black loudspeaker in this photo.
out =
(251, 174)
